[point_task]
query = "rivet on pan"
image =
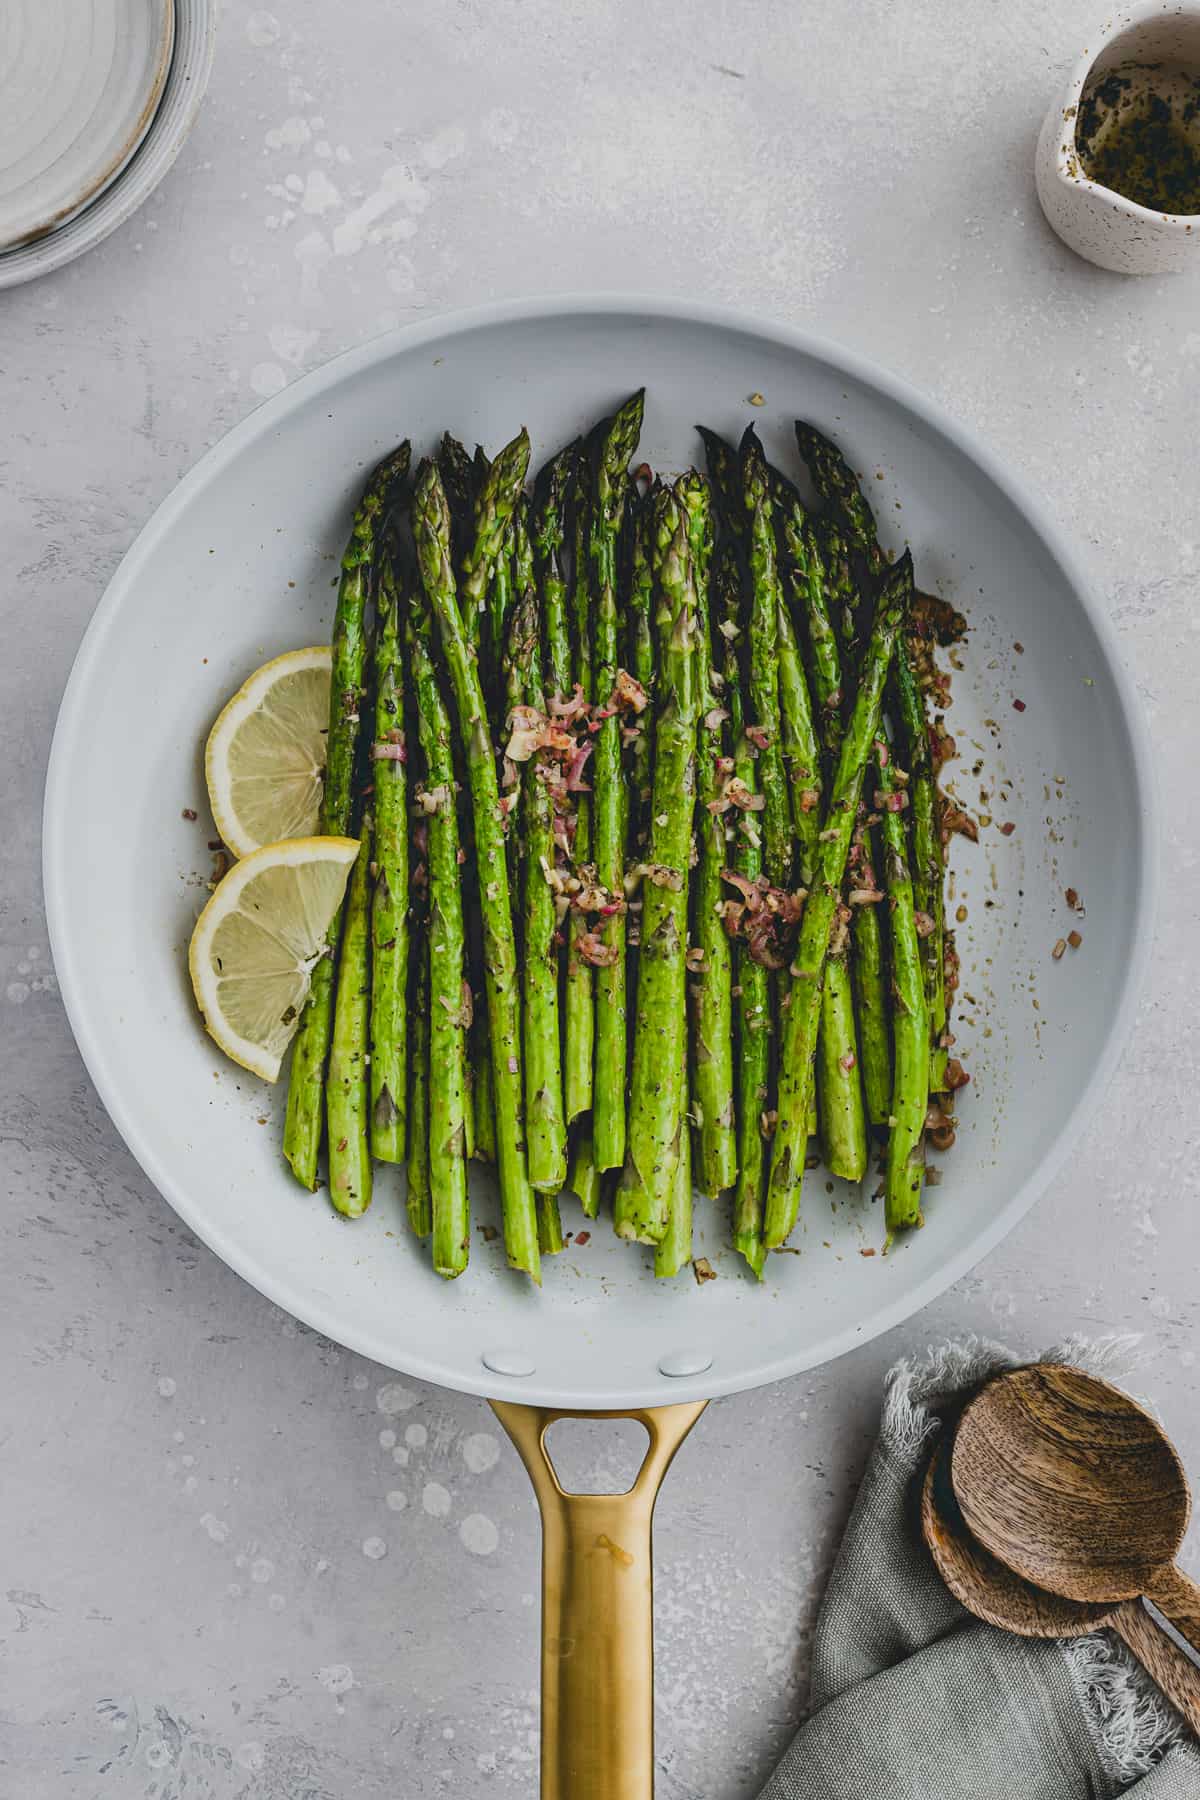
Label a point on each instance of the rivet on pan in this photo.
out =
(508, 1362)
(685, 1362)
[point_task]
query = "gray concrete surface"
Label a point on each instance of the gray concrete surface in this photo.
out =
(189, 1480)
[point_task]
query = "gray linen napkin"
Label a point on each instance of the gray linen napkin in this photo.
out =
(912, 1699)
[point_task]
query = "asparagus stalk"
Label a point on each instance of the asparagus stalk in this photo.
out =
(868, 967)
(657, 1095)
(721, 460)
(548, 533)
(420, 1199)
(549, 528)
(431, 527)
(905, 1173)
(639, 613)
(496, 487)
(306, 1084)
(616, 442)
(492, 657)
(346, 1086)
(753, 989)
(804, 996)
(545, 1119)
(838, 1081)
(804, 728)
(711, 986)
(459, 480)
(389, 899)
(584, 1179)
(483, 1090)
(448, 996)
(842, 594)
(836, 482)
(778, 694)
(928, 870)
(499, 485)
(766, 608)
(868, 957)
(673, 1252)
(797, 734)
(579, 997)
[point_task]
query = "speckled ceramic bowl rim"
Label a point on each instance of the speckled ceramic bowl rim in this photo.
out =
(183, 90)
(1181, 224)
(71, 737)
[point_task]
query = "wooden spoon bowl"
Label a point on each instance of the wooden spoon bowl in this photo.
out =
(1073, 1485)
(993, 1593)
(1067, 1479)
(981, 1583)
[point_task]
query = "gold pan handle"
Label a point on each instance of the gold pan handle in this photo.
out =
(597, 1620)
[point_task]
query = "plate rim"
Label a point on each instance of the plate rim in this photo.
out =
(268, 417)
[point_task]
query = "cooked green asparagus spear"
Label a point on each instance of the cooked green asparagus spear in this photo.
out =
(841, 589)
(838, 1080)
(483, 1089)
(495, 501)
(548, 532)
(753, 989)
(496, 487)
(766, 606)
(306, 1085)
(910, 1021)
(836, 482)
(584, 1179)
(799, 1036)
(639, 616)
(545, 1122)
(459, 480)
(928, 868)
(389, 899)
(420, 1200)
(549, 527)
(431, 528)
(721, 460)
(801, 755)
(711, 984)
(493, 647)
(867, 951)
(869, 971)
(449, 992)
(346, 1086)
(837, 485)
(579, 998)
(615, 443)
(673, 1252)
(657, 1094)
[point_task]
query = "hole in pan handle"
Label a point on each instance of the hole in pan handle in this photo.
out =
(597, 1618)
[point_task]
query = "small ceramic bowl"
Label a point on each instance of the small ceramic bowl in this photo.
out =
(187, 78)
(1100, 224)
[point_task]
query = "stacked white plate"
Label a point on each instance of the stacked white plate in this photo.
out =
(96, 99)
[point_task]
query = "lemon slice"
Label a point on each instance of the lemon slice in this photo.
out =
(265, 757)
(254, 946)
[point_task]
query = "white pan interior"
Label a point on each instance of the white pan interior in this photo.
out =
(239, 565)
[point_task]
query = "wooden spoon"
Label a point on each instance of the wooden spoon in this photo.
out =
(1075, 1487)
(994, 1594)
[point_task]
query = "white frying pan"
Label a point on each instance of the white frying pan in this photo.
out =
(238, 565)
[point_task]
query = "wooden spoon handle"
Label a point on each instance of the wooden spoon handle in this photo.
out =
(1178, 1596)
(1163, 1660)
